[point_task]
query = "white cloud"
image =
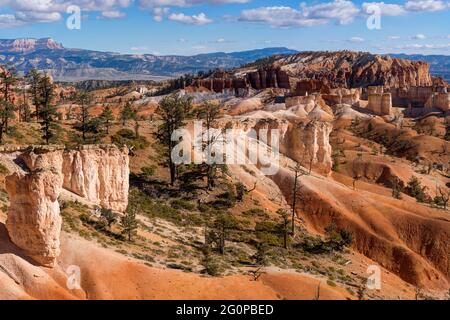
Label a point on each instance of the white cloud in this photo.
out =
(113, 14)
(425, 5)
(386, 9)
(425, 46)
(9, 21)
(34, 11)
(342, 11)
(419, 36)
(356, 39)
(139, 49)
(184, 3)
(394, 38)
(199, 19)
(160, 13)
(339, 11)
(220, 40)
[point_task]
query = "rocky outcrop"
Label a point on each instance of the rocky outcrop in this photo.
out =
(310, 145)
(33, 222)
(270, 77)
(356, 69)
(307, 143)
(221, 82)
(440, 100)
(411, 96)
(380, 103)
(99, 174)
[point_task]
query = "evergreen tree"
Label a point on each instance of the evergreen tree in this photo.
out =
(47, 111)
(34, 79)
(223, 223)
(210, 112)
(128, 113)
(284, 226)
(129, 222)
(84, 100)
(416, 190)
(171, 113)
(8, 80)
(107, 117)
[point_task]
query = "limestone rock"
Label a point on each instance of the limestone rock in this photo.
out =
(356, 69)
(310, 144)
(380, 103)
(99, 174)
(33, 222)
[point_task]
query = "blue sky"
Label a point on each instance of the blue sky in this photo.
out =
(197, 26)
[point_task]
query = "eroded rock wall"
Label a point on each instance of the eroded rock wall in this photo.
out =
(380, 103)
(34, 222)
(307, 143)
(99, 174)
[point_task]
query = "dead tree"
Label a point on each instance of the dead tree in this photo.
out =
(256, 273)
(355, 174)
(298, 172)
(317, 297)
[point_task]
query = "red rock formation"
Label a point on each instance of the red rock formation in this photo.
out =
(356, 69)
(305, 86)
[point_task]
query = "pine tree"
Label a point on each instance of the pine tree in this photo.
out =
(128, 113)
(47, 111)
(84, 100)
(34, 79)
(129, 222)
(8, 80)
(210, 112)
(223, 223)
(171, 113)
(416, 190)
(107, 117)
(284, 226)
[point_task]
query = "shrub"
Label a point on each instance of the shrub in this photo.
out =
(210, 264)
(3, 169)
(128, 137)
(182, 204)
(149, 171)
(268, 232)
(416, 190)
(261, 256)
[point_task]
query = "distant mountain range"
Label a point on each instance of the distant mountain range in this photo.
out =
(439, 64)
(78, 64)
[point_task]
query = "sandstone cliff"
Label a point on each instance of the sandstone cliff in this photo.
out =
(356, 69)
(99, 174)
(306, 142)
(34, 223)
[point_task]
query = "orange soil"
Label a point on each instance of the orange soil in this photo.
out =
(109, 275)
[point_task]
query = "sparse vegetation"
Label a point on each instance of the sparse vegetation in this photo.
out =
(416, 190)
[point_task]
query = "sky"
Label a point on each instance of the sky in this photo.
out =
(187, 27)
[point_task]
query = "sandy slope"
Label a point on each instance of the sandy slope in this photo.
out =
(109, 275)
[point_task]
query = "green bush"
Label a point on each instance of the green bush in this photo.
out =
(182, 204)
(212, 267)
(127, 137)
(3, 169)
(416, 190)
(149, 171)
